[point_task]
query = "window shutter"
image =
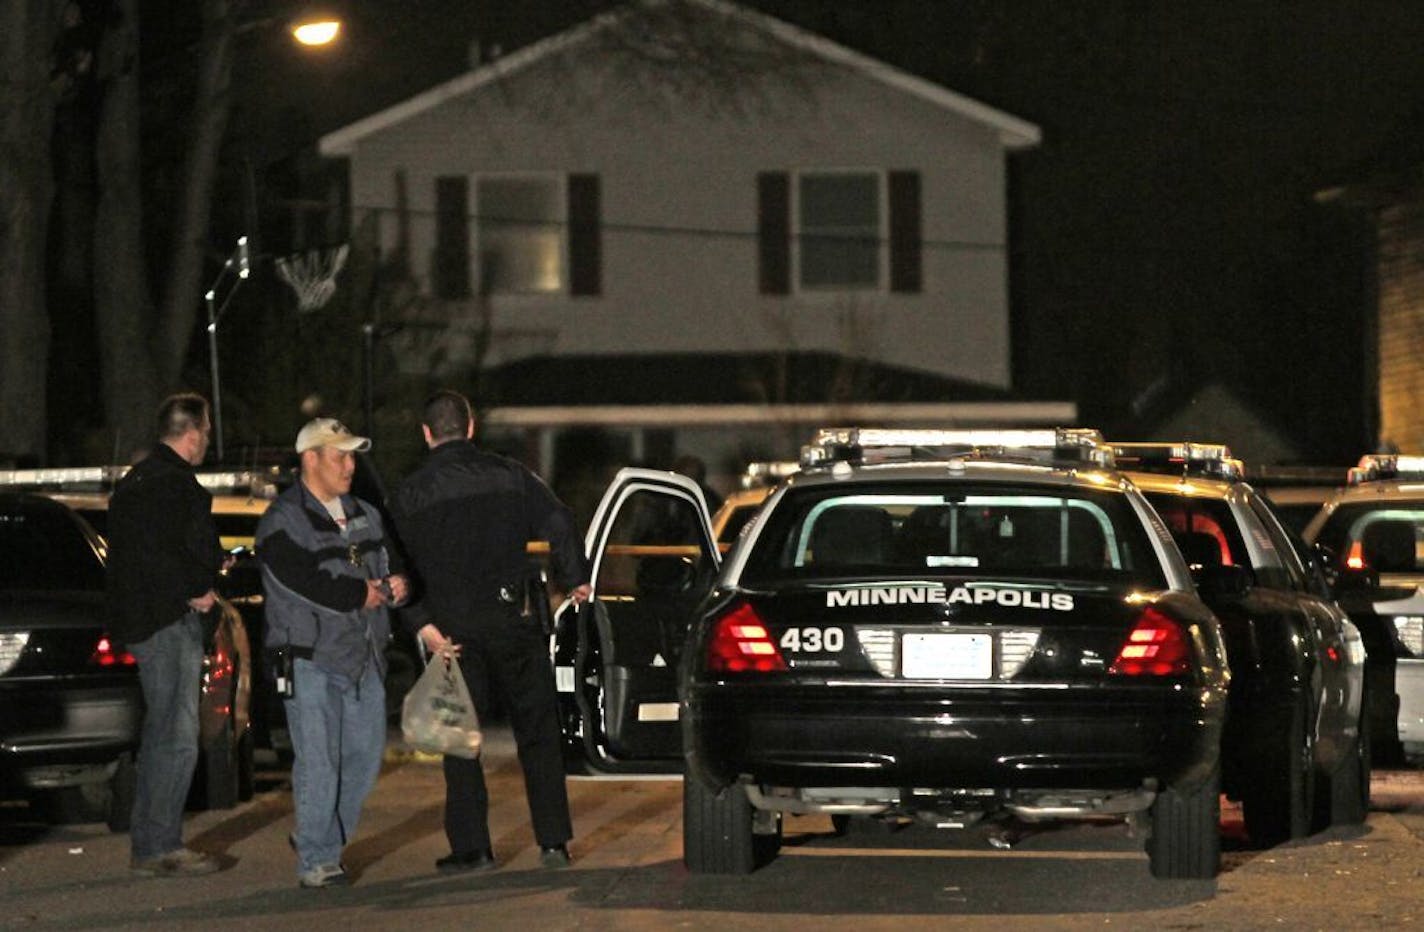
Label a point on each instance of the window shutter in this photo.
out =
(451, 274)
(585, 236)
(774, 232)
(906, 244)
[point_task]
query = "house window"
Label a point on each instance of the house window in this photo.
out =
(839, 227)
(520, 223)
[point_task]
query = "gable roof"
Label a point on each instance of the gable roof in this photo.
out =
(1013, 132)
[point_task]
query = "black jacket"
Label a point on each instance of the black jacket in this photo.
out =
(163, 545)
(464, 518)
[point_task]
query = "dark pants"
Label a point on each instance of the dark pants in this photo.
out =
(510, 656)
(170, 669)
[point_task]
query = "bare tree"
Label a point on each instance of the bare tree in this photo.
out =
(122, 299)
(28, 29)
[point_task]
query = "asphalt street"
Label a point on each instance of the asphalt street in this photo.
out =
(628, 872)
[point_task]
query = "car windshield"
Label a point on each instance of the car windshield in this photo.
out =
(45, 549)
(1004, 530)
(1384, 537)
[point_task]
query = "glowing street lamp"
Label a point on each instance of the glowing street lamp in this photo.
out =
(318, 31)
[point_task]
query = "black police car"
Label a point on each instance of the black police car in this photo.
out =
(947, 626)
(1296, 749)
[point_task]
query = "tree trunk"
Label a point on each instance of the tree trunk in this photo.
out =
(183, 292)
(122, 299)
(28, 29)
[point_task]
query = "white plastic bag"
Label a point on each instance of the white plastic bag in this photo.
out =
(438, 715)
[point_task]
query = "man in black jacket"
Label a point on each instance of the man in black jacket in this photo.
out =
(164, 559)
(465, 517)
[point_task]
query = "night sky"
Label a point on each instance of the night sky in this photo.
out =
(1169, 209)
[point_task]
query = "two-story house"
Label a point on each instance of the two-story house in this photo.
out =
(693, 205)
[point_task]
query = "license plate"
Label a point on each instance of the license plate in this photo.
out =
(947, 656)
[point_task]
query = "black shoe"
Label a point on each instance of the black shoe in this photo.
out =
(554, 856)
(470, 861)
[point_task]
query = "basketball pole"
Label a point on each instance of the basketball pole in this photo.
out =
(241, 261)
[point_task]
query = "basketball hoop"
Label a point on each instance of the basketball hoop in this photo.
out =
(312, 275)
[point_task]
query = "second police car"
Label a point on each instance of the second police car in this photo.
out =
(1296, 749)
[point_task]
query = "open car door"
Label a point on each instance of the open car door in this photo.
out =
(615, 659)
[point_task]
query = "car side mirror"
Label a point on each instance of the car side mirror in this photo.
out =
(1352, 580)
(1224, 582)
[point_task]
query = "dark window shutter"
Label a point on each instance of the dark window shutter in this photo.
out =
(585, 236)
(451, 274)
(906, 243)
(774, 232)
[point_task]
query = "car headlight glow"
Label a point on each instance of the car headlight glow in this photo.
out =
(1410, 630)
(12, 645)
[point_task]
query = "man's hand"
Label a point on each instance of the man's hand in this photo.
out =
(400, 589)
(436, 643)
(374, 597)
(203, 603)
(580, 594)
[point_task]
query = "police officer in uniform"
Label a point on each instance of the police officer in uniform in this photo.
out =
(464, 518)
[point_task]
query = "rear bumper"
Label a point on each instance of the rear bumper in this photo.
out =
(871, 736)
(53, 736)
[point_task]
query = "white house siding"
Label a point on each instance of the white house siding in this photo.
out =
(671, 166)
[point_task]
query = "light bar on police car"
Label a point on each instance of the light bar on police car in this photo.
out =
(1378, 466)
(767, 473)
(1210, 459)
(65, 475)
(842, 443)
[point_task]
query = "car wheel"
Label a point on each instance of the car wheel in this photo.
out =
(72, 805)
(1350, 783)
(219, 789)
(1279, 803)
(122, 787)
(1186, 839)
(716, 829)
(246, 779)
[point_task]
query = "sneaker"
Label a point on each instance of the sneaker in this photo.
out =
(324, 875)
(185, 862)
(554, 856)
(470, 861)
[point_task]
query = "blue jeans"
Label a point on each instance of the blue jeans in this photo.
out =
(338, 729)
(170, 667)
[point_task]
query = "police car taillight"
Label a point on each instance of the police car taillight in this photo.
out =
(741, 643)
(1156, 646)
(107, 655)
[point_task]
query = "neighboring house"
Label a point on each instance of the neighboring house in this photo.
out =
(1212, 413)
(581, 199)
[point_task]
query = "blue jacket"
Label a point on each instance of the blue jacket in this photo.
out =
(314, 581)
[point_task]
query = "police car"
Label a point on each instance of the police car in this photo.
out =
(1374, 529)
(945, 626)
(1296, 749)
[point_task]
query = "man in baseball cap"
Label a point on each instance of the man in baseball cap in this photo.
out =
(329, 432)
(330, 576)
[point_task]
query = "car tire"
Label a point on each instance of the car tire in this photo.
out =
(220, 772)
(1186, 832)
(246, 767)
(716, 829)
(1349, 785)
(1279, 803)
(123, 785)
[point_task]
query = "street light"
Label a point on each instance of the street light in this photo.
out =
(316, 31)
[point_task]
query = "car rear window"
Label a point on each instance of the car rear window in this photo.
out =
(1382, 537)
(1007, 531)
(44, 549)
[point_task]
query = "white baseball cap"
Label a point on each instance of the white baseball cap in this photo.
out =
(329, 432)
